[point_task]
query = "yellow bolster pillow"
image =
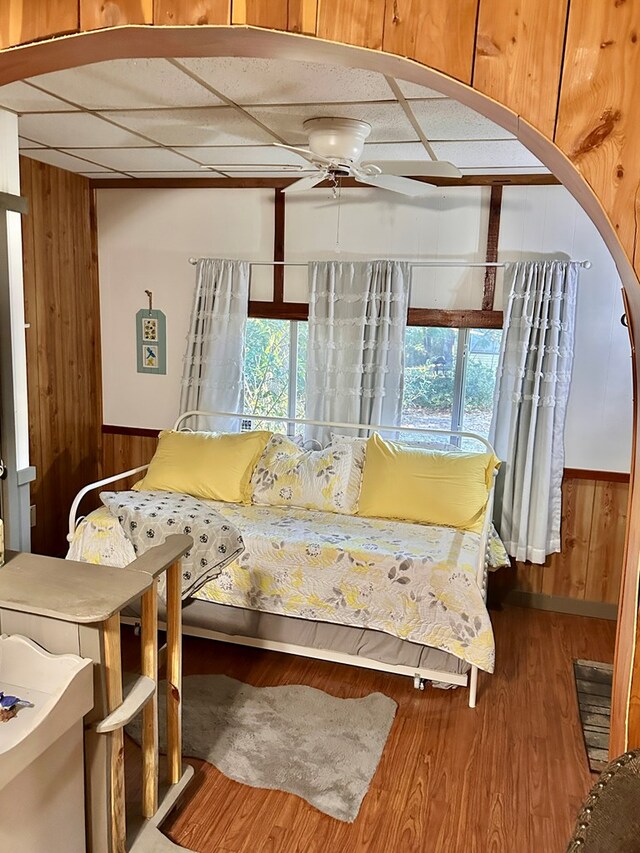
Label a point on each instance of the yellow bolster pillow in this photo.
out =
(427, 486)
(205, 465)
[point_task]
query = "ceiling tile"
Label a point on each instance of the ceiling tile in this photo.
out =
(62, 160)
(215, 126)
(503, 153)
(23, 98)
(388, 121)
(451, 120)
(263, 155)
(282, 81)
(127, 84)
(507, 170)
(395, 151)
(74, 130)
(412, 90)
(25, 144)
(138, 159)
(103, 175)
(272, 172)
(174, 175)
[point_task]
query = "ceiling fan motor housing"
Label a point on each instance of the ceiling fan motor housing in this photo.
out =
(339, 139)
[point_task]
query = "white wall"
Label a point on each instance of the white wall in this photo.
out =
(547, 221)
(447, 225)
(146, 236)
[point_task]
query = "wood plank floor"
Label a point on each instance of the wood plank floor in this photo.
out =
(508, 776)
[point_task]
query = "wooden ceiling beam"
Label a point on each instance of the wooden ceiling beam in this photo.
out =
(281, 183)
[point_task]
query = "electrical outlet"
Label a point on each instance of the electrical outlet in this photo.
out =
(33, 515)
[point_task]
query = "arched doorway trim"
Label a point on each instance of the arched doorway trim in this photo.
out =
(143, 41)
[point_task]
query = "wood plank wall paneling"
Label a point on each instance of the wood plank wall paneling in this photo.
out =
(28, 20)
(122, 451)
(114, 13)
(599, 110)
(303, 16)
(352, 21)
(261, 13)
(63, 345)
(519, 56)
(440, 33)
(190, 13)
(594, 517)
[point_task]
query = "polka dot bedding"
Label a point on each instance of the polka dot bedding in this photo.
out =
(147, 518)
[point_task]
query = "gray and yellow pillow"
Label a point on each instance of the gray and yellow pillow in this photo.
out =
(287, 475)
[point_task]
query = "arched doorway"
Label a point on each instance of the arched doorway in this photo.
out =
(141, 42)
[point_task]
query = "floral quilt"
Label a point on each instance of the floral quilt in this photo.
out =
(416, 582)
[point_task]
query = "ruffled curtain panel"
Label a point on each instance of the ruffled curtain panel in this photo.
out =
(212, 377)
(355, 351)
(532, 388)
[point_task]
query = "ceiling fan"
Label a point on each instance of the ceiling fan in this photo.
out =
(335, 148)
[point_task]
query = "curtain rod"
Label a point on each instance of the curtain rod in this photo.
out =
(585, 264)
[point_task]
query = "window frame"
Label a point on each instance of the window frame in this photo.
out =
(463, 320)
(292, 367)
(460, 369)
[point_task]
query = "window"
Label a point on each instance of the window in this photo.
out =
(275, 357)
(450, 377)
(448, 382)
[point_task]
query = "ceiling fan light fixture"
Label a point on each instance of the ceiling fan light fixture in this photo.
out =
(339, 139)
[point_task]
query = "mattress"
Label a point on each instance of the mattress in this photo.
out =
(414, 582)
(323, 636)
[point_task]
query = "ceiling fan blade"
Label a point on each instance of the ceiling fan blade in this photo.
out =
(304, 152)
(405, 186)
(257, 167)
(306, 183)
(428, 168)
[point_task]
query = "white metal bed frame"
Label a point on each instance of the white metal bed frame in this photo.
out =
(420, 675)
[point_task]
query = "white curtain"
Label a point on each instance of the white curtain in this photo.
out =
(212, 377)
(527, 429)
(355, 353)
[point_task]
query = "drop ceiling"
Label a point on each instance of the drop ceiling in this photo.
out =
(174, 117)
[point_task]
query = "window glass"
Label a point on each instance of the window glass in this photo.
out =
(303, 336)
(449, 376)
(429, 377)
(266, 367)
(480, 379)
(449, 379)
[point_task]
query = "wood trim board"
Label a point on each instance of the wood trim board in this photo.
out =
(493, 234)
(279, 213)
(281, 183)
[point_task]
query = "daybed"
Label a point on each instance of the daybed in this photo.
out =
(380, 593)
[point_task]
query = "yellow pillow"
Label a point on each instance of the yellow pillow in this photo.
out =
(427, 486)
(206, 465)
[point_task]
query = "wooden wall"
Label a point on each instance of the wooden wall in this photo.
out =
(63, 345)
(594, 519)
(123, 449)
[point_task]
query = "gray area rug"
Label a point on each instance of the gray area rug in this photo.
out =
(289, 738)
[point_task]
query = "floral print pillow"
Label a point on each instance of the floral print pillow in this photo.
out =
(287, 475)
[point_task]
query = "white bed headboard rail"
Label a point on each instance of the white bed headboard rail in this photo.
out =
(367, 428)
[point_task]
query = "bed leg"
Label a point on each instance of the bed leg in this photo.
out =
(473, 686)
